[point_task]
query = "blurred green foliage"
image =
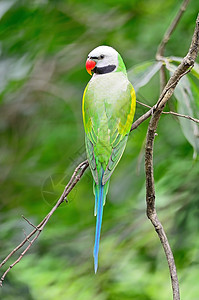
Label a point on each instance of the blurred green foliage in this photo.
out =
(44, 45)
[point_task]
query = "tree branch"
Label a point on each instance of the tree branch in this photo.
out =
(171, 28)
(166, 38)
(171, 113)
(79, 171)
(166, 94)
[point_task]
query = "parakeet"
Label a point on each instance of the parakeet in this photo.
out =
(108, 108)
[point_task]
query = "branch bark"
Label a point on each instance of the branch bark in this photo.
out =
(166, 94)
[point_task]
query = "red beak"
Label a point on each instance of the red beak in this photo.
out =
(90, 65)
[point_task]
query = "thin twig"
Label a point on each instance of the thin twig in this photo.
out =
(166, 37)
(143, 104)
(20, 257)
(181, 116)
(20, 245)
(141, 119)
(73, 181)
(171, 113)
(79, 171)
(30, 223)
(182, 69)
(170, 30)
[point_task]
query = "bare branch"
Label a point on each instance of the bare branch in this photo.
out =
(181, 116)
(171, 113)
(143, 104)
(142, 119)
(20, 245)
(166, 37)
(182, 69)
(170, 30)
(20, 257)
(79, 171)
(30, 223)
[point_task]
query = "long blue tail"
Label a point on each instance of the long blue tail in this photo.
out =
(99, 202)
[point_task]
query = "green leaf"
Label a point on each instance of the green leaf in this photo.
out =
(5, 6)
(194, 70)
(195, 92)
(141, 74)
(186, 93)
(175, 59)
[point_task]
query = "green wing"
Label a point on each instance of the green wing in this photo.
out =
(114, 159)
(107, 122)
(91, 158)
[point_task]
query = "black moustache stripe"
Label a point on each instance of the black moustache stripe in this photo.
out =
(104, 70)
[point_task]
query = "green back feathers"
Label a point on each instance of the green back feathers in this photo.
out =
(121, 66)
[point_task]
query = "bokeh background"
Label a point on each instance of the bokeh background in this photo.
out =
(43, 46)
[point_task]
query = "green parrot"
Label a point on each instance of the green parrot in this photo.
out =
(108, 108)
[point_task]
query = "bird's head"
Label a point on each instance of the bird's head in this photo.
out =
(104, 59)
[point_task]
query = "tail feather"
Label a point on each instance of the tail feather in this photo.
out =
(95, 209)
(100, 192)
(105, 191)
(96, 189)
(99, 201)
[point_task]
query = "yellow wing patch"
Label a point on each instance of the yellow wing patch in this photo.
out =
(87, 123)
(83, 101)
(124, 129)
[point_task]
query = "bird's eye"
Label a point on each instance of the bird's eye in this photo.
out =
(101, 56)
